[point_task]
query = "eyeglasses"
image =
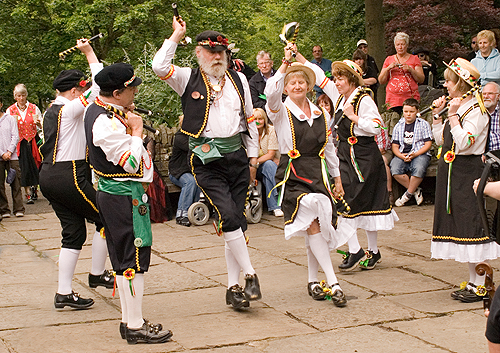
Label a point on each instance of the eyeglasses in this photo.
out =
(473, 42)
(264, 63)
(491, 94)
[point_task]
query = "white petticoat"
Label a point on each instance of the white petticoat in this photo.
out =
(375, 222)
(315, 205)
(472, 253)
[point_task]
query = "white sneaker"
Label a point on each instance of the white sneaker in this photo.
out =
(402, 200)
(418, 196)
(6, 215)
(19, 214)
(278, 213)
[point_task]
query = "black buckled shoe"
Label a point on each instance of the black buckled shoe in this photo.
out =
(252, 287)
(236, 297)
(73, 300)
(34, 193)
(148, 333)
(338, 297)
(470, 296)
(316, 291)
(106, 279)
(351, 260)
(371, 260)
(463, 288)
(183, 221)
(123, 330)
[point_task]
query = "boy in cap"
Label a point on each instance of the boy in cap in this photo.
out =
(66, 182)
(118, 157)
(216, 103)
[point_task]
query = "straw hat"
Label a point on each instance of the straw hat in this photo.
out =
(465, 70)
(352, 67)
(307, 71)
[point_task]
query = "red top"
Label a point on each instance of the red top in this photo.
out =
(401, 84)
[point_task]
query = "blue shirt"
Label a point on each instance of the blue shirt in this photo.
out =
(326, 65)
(421, 133)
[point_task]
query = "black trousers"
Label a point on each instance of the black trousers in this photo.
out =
(225, 183)
(116, 215)
(68, 187)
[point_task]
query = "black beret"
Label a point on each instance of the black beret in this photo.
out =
(212, 40)
(67, 79)
(117, 76)
(421, 50)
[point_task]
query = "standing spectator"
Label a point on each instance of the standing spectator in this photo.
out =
(370, 60)
(9, 136)
(491, 96)
(258, 82)
(487, 59)
(402, 72)
(370, 76)
(411, 142)
(325, 64)
(428, 66)
(475, 47)
(28, 116)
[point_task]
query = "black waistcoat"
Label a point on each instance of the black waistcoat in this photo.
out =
(97, 158)
(51, 126)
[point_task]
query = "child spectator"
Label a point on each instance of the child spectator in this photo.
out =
(411, 142)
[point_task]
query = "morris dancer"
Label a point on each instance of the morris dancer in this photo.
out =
(65, 180)
(216, 103)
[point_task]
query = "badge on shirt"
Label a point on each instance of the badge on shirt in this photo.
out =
(144, 198)
(143, 210)
(195, 95)
(317, 112)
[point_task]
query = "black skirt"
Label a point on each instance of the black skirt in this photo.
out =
(29, 170)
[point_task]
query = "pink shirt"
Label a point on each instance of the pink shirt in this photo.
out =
(401, 84)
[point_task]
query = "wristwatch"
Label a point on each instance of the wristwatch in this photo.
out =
(254, 165)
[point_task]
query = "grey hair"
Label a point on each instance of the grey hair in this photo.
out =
(402, 36)
(494, 84)
(20, 89)
(261, 54)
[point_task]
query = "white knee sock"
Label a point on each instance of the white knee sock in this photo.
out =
(236, 243)
(371, 235)
(312, 263)
(319, 248)
(67, 264)
(121, 282)
(353, 244)
(473, 277)
(99, 254)
(134, 303)
(233, 268)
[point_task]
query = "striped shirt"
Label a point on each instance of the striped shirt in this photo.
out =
(421, 133)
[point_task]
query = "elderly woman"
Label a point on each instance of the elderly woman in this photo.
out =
(28, 117)
(369, 73)
(362, 168)
(402, 72)
(487, 59)
(267, 161)
(457, 232)
(307, 156)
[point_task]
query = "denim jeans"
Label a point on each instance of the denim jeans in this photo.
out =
(417, 167)
(190, 192)
(267, 172)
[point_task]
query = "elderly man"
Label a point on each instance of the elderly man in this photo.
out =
(258, 82)
(124, 166)
(325, 64)
(218, 120)
(491, 95)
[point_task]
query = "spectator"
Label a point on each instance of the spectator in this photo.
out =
(370, 76)
(487, 59)
(475, 47)
(267, 161)
(9, 136)
(258, 82)
(370, 61)
(491, 96)
(28, 116)
(402, 72)
(326, 103)
(180, 174)
(428, 66)
(411, 142)
(384, 146)
(325, 64)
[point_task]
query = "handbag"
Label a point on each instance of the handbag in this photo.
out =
(11, 175)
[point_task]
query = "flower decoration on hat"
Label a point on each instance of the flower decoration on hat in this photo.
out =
(83, 83)
(353, 66)
(126, 83)
(462, 72)
(220, 41)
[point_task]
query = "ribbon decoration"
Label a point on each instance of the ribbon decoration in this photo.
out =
(129, 275)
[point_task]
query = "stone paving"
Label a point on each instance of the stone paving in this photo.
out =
(403, 305)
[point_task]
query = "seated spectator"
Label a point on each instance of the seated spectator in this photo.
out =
(258, 81)
(9, 136)
(180, 174)
(324, 64)
(491, 96)
(429, 67)
(370, 76)
(487, 60)
(411, 142)
(268, 160)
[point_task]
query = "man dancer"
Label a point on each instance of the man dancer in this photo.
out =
(66, 182)
(117, 155)
(216, 103)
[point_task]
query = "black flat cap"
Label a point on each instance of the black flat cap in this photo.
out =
(117, 76)
(212, 40)
(67, 79)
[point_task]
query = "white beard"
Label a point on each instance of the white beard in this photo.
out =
(215, 68)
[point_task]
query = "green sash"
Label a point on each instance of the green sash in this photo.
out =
(210, 149)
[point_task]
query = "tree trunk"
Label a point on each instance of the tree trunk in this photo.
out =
(375, 26)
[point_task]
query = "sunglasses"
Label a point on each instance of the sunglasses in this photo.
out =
(473, 42)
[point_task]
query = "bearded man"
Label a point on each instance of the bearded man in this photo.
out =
(218, 119)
